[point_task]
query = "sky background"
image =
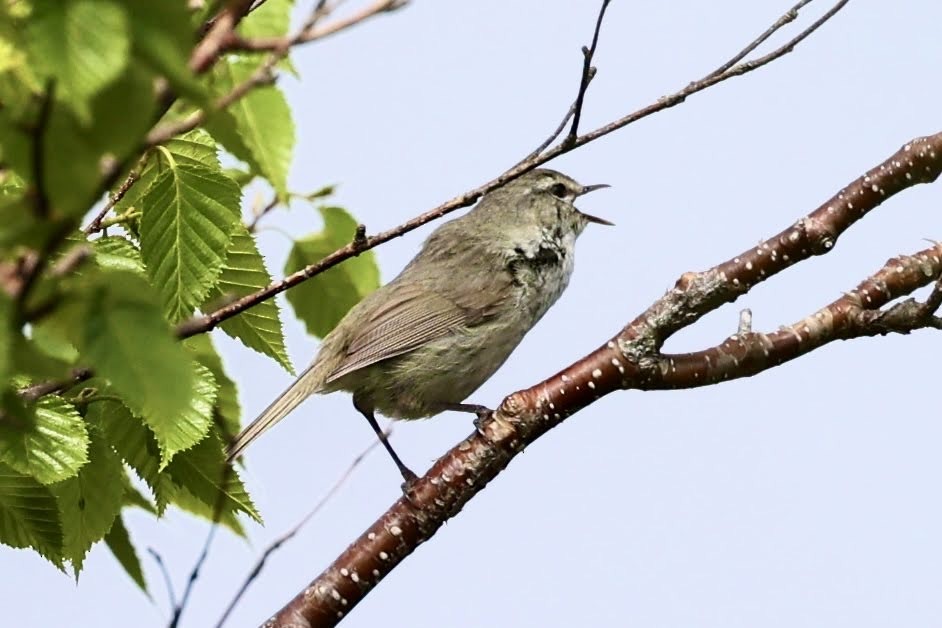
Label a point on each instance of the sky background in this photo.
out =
(805, 496)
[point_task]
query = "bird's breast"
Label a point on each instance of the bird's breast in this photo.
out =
(540, 272)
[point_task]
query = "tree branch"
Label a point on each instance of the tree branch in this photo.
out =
(311, 32)
(632, 359)
(588, 72)
(207, 322)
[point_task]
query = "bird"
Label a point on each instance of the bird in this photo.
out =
(424, 342)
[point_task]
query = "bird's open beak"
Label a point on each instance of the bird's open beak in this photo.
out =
(590, 188)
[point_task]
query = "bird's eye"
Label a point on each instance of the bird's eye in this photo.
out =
(559, 190)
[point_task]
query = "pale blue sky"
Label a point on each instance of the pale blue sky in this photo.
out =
(806, 496)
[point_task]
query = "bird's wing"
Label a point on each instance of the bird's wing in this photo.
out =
(412, 316)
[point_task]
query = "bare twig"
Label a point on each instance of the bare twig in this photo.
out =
(166, 574)
(263, 75)
(288, 535)
(32, 393)
(787, 18)
(272, 204)
(195, 572)
(588, 72)
(96, 224)
(311, 32)
(210, 321)
(633, 359)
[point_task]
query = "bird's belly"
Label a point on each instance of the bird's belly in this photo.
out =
(447, 370)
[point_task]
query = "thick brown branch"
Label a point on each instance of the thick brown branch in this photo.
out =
(632, 359)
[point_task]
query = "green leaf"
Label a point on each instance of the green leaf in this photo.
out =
(189, 213)
(133, 497)
(119, 542)
(162, 39)
(124, 338)
(324, 299)
(89, 502)
(203, 471)
(178, 432)
(197, 145)
(136, 445)
(257, 128)
(82, 44)
(271, 19)
(227, 410)
(186, 501)
(118, 253)
(74, 150)
(29, 515)
(48, 442)
(244, 272)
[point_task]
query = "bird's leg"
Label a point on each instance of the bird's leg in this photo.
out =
(407, 473)
(483, 412)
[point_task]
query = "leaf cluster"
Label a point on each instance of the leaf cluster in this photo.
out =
(102, 407)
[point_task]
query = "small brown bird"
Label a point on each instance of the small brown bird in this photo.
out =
(428, 339)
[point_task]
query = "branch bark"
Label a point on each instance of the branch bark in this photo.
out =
(633, 359)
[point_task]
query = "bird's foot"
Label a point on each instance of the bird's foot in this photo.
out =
(483, 413)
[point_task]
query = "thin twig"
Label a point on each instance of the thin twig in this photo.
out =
(787, 18)
(96, 224)
(288, 535)
(166, 574)
(261, 213)
(310, 31)
(588, 72)
(263, 75)
(32, 393)
(194, 573)
(209, 321)
(227, 470)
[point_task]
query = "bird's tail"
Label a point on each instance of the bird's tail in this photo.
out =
(309, 382)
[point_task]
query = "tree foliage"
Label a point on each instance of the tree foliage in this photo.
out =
(103, 406)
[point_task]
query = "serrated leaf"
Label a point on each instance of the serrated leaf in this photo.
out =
(48, 442)
(178, 432)
(243, 273)
(119, 542)
(197, 145)
(186, 501)
(204, 472)
(227, 410)
(324, 299)
(82, 44)
(258, 128)
(189, 213)
(136, 445)
(118, 253)
(125, 339)
(29, 516)
(89, 502)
